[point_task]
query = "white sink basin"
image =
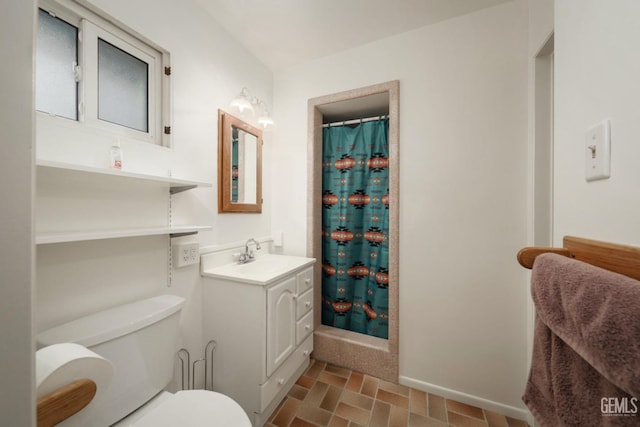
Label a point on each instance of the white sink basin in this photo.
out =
(264, 270)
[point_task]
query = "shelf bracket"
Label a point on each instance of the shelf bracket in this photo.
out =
(175, 190)
(187, 233)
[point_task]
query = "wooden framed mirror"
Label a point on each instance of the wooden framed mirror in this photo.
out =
(239, 166)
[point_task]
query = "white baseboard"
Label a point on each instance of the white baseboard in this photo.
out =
(510, 411)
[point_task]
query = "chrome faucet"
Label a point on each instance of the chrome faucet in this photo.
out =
(248, 255)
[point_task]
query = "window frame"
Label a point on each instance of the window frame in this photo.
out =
(93, 24)
(91, 33)
(74, 22)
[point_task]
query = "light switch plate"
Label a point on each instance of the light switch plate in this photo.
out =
(598, 152)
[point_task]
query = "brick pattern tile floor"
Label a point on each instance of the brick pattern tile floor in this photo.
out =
(327, 395)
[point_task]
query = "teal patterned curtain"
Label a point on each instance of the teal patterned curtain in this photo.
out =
(355, 227)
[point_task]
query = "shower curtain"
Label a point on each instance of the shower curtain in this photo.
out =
(355, 226)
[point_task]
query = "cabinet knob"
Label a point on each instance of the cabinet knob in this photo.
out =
(307, 281)
(307, 304)
(280, 381)
(305, 353)
(307, 327)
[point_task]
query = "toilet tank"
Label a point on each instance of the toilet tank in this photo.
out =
(140, 339)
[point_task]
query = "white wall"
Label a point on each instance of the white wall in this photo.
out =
(209, 68)
(463, 192)
(17, 398)
(597, 69)
(540, 23)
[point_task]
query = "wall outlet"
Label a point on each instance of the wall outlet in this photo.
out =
(185, 254)
(278, 238)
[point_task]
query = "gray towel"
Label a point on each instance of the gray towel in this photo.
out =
(585, 368)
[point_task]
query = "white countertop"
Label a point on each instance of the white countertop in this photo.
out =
(265, 270)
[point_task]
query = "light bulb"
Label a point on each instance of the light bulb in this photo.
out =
(266, 122)
(241, 103)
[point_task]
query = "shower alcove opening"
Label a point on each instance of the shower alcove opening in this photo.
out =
(360, 352)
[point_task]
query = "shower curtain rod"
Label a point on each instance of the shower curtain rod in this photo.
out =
(354, 121)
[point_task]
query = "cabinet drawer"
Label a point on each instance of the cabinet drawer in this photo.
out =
(304, 303)
(284, 373)
(304, 327)
(305, 280)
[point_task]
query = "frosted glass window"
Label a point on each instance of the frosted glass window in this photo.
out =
(56, 57)
(123, 88)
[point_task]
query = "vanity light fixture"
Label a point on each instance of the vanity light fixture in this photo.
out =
(242, 101)
(247, 102)
(265, 119)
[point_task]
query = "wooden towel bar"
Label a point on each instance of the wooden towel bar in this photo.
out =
(621, 259)
(60, 404)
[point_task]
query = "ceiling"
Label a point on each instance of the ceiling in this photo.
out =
(282, 33)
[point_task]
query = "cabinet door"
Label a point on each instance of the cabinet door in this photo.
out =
(281, 323)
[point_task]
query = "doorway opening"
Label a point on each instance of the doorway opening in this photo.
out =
(365, 353)
(543, 146)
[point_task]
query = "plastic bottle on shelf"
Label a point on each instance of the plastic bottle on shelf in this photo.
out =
(116, 156)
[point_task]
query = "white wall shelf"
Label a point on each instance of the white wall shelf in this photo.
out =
(175, 185)
(63, 237)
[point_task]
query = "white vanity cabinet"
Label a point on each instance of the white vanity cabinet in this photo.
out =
(263, 333)
(281, 323)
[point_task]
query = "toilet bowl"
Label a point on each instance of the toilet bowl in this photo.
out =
(140, 340)
(193, 408)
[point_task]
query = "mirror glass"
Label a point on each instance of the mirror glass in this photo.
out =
(239, 165)
(244, 165)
